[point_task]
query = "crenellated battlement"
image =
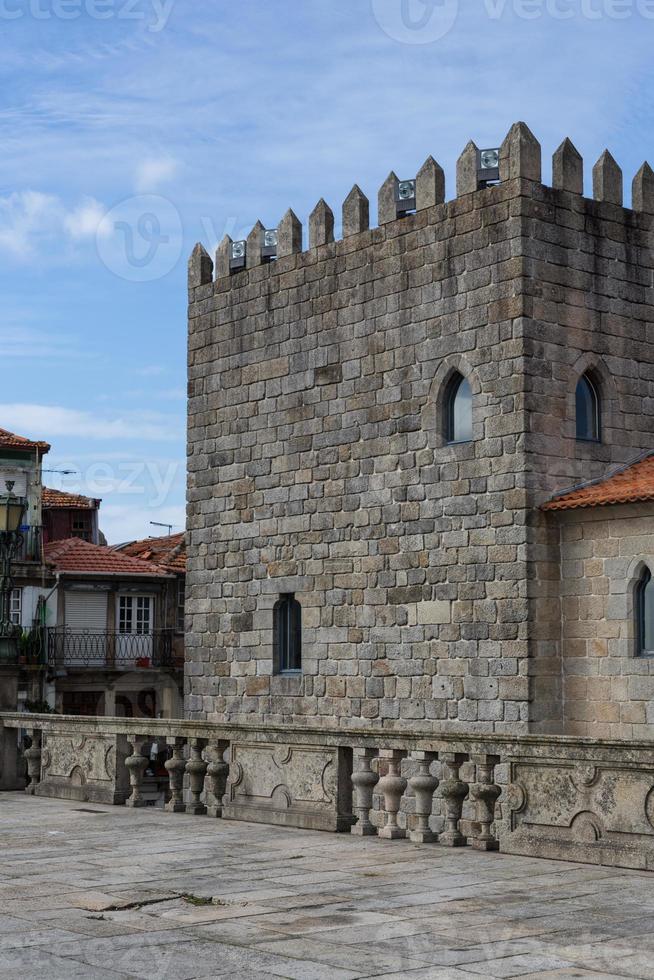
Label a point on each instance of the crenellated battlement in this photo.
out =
(519, 157)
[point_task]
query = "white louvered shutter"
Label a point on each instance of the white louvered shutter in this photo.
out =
(86, 611)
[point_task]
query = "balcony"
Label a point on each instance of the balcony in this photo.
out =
(27, 650)
(88, 650)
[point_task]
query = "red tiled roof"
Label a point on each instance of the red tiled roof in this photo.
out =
(59, 498)
(9, 440)
(76, 555)
(631, 484)
(168, 552)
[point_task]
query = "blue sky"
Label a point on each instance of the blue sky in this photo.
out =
(133, 128)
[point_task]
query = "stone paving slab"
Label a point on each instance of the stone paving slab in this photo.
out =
(145, 894)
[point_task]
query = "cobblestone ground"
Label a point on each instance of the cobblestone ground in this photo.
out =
(94, 891)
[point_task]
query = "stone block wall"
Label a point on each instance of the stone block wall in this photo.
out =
(429, 582)
(608, 689)
(589, 267)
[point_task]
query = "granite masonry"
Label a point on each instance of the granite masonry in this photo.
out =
(420, 580)
(428, 576)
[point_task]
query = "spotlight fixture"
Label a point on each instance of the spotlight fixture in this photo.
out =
(405, 197)
(488, 167)
(269, 247)
(238, 257)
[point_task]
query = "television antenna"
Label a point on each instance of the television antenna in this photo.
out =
(159, 524)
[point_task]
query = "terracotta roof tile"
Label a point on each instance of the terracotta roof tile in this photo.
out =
(60, 498)
(9, 440)
(76, 555)
(168, 552)
(631, 484)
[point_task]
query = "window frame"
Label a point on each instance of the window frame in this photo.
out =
(180, 607)
(135, 614)
(16, 607)
(452, 389)
(644, 580)
(588, 379)
(80, 527)
(287, 635)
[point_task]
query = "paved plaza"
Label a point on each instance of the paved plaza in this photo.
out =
(107, 892)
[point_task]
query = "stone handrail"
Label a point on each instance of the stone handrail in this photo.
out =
(418, 738)
(545, 795)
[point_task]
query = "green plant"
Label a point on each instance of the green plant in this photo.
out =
(30, 646)
(196, 899)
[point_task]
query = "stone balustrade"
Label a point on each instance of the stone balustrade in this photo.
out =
(550, 796)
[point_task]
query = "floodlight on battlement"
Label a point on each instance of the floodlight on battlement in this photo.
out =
(488, 166)
(238, 257)
(405, 197)
(269, 247)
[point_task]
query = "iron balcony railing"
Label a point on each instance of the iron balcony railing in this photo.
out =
(88, 649)
(26, 649)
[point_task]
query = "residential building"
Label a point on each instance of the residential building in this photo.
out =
(110, 646)
(168, 553)
(101, 630)
(70, 515)
(22, 665)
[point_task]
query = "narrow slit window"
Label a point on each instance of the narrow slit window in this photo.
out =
(587, 410)
(458, 410)
(287, 640)
(645, 615)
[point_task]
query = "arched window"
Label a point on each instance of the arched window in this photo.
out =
(645, 615)
(588, 410)
(458, 410)
(287, 635)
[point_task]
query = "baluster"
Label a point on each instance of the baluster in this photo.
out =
(196, 768)
(392, 786)
(33, 757)
(217, 773)
(424, 786)
(454, 792)
(176, 767)
(136, 764)
(364, 781)
(485, 793)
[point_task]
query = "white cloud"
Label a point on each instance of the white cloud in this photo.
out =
(84, 221)
(21, 341)
(33, 223)
(48, 421)
(152, 173)
(26, 216)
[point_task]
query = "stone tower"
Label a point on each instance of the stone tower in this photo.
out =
(320, 465)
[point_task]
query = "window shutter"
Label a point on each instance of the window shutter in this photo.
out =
(86, 611)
